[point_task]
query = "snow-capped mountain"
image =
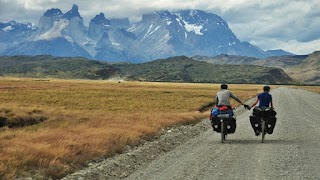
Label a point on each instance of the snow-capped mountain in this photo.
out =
(189, 32)
(158, 35)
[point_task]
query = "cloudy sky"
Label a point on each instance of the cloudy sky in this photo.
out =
(292, 25)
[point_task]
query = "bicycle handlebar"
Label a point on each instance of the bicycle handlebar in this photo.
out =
(247, 107)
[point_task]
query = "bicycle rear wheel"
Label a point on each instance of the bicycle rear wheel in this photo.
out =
(222, 132)
(263, 129)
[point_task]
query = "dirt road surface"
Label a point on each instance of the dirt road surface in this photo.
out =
(291, 152)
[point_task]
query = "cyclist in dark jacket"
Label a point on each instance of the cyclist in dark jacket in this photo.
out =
(265, 101)
(265, 98)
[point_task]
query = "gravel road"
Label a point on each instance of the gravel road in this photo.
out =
(195, 152)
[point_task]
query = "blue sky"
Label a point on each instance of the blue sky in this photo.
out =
(292, 25)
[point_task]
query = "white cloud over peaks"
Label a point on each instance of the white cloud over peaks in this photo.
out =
(302, 47)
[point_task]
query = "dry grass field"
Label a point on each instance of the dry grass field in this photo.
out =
(83, 120)
(315, 89)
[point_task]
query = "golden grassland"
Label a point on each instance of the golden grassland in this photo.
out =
(89, 119)
(315, 89)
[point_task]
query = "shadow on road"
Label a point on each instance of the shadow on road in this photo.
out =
(258, 141)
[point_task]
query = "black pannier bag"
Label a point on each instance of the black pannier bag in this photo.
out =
(231, 125)
(271, 123)
(270, 118)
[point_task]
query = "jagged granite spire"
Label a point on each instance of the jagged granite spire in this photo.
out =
(100, 19)
(53, 12)
(72, 13)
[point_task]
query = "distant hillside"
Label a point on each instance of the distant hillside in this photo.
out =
(175, 69)
(308, 71)
(304, 69)
(227, 59)
(279, 52)
(55, 67)
(283, 62)
(184, 69)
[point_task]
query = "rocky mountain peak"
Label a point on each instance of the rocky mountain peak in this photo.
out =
(199, 16)
(53, 12)
(100, 19)
(74, 12)
(13, 26)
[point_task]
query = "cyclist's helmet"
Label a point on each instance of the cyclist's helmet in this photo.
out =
(224, 86)
(266, 88)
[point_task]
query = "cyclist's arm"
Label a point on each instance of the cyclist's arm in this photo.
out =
(256, 102)
(235, 98)
(271, 104)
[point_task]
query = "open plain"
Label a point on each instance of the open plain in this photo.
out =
(86, 120)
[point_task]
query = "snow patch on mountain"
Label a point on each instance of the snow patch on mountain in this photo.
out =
(8, 28)
(196, 28)
(232, 43)
(31, 26)
(115, 44)
(69, 39)
(179, 21)
(150, 31)
(132, 28)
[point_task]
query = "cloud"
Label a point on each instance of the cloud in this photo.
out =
(267, 24)
(275, 24)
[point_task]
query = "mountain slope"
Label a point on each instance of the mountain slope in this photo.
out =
(279, 52)
(55, 67)
(308, 71)
(283, 62)
(56, 47)
(227, 59)
(184, 69)
(13, 33)
(175, 69)
(305, 69)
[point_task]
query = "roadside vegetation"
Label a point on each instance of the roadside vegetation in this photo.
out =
(84, 120)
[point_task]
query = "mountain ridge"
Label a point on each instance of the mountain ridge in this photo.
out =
(303, 68)
(160, 34)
